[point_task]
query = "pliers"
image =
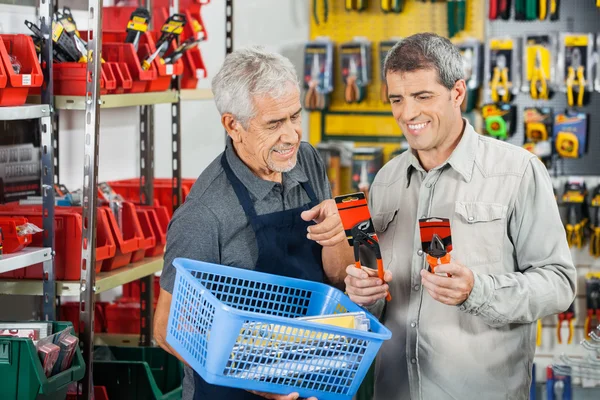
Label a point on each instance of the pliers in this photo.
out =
(499, 9)
(392, 6)
(437, 254)
(543, 8)
(569, 317)
(361, 237)
(554, 7)
(316, 11)
(595, 223)
(576, 76)
(500, 78)
(575, 224)
(356, 5)
(353, 93)
(592, 290)
(456, 16)
(313, 100)
(539, 77)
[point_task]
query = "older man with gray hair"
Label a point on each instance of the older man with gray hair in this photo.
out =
(255, 206)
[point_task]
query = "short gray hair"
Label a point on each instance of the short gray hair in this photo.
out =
(247, 73)
(426, 51)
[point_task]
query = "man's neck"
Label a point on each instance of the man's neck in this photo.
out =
(250, 162)
(433, 158)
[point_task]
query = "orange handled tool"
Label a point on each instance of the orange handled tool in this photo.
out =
(567, 316)
(592, 290)
(437, 254)
(363, 238)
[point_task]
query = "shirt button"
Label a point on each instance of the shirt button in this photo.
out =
(414, 360)
(413, 324)
(428, 185)
(416, 287)
(471, 218)
(420, 252)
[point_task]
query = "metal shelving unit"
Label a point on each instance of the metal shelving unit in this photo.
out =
(45, 107)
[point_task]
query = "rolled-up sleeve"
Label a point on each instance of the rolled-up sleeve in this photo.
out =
(545, 280)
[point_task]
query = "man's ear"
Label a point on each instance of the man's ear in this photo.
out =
(233, 127)
(459, 92)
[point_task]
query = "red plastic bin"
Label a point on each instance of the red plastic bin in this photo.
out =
(132, 290)
(70, 79)
(123, 317)
(11, 240)
(128, 238)
(149, 240)
(69, 311)
(17, 85)
(122, 76)
(159, 219)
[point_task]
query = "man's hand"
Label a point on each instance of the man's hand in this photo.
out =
(328, 230)
(451, 290)
(364, 286)
(291, 396)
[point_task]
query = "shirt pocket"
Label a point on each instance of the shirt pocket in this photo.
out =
(385, 227)
(478, 231)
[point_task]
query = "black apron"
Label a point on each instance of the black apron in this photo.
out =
(283, 249)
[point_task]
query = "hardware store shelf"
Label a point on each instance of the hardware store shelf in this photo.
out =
(104, 280)
(24, 258)
(118, 100)
(196, 94)
(28, 111)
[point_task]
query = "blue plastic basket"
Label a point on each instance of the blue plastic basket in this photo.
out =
(237, 328)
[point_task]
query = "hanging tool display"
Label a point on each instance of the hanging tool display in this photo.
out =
(538, 129)
(574, 198)
(356, 5)
(315, 11)
(171, 29)
(318, 74)
(395, 6)
(500, 120)
(138, 24)
(568, 317)
(456, 16)
(436, 241)
(472, 54)
(503, 64)
(576, 62)
(558, 387)
(384, 47)
(592, 295)
(595, 223)
(538, 61)
(356, 219)
(356, 69)
(571, 134)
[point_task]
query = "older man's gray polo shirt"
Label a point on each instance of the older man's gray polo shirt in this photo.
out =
(211, 225)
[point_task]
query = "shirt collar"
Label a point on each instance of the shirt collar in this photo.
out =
(260, 188)
(462, 158)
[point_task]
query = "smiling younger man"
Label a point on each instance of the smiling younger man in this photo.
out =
(470, 335)
(253, 206)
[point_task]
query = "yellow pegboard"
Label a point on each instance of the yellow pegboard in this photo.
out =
(342, 26)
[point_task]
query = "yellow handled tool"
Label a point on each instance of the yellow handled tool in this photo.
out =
(539, 82)
(576, 77)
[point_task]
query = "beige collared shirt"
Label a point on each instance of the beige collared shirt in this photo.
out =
(506, 228)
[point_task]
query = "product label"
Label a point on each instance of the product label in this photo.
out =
(26, 80)
(576, 41)
(169, 69)
(501, 44)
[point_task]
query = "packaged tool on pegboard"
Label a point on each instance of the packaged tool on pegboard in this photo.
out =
(538, 66)
(538, 132)
(566, 317)
(392, 6)
(499, 9)
(574, 199)
(384, 48)
(356, 5)
(356, 69)
(575, 63)
(571, 134)
(500, 120)
(504, 65)
(360, 231)
(595, 222)
(527, 10)
(472, 54)
(558, 385)
(592, 300)
(318, 74)
(171, 29)
(331, 156)
(366, 163)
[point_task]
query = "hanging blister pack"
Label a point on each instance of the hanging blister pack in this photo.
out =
(384, 48)
(472, 55)
(575, 63)
(356, 69)
(138, 24)
(318, 74)
(500, 120)
(539, 59)
(538, 132)
(571, 134)
(503, 66)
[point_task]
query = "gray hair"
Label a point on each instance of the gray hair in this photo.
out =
(247, 73)
(426, 51)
